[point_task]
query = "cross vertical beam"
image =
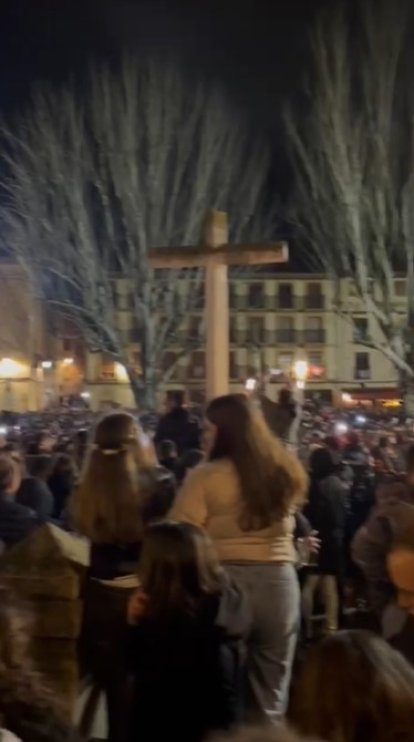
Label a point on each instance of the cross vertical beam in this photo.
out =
(217, 307)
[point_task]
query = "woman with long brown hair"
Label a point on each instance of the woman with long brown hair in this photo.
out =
(184, 652)
(245, 496)
(121, 489)
(354, 687)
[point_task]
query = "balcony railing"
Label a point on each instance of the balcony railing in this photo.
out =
(314, 301)
(362, 374)
(287, 337)
(314, 337)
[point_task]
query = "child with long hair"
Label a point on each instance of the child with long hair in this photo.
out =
(184, 650)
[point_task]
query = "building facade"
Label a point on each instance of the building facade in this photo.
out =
(275, 320)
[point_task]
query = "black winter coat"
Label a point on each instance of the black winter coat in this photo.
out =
(327, 513)
(109, 561)
(16, 521)
(187, 673)
(181, 428)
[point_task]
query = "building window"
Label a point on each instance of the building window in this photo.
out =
(400, 287)
(67, 345)
(108, 370)
(362, 366)
(234, 370)
(197, 368)
(314, 297)
(285, 363)
(360, 329)
(286, 330)
(256, 296)
(168, 360)
(314, 331)
(286, 300)
(316, 366)
(256, 330)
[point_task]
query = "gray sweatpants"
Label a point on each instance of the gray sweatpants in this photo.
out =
(275, 601)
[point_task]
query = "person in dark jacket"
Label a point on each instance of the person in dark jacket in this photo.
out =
(168, 456)
(61, 483)
(121, 490)
(16, 521)
(280, 415)
(34, 491)
(178, 425)
(189, 460)
(326, 511)
(184, 651)
(373, 541)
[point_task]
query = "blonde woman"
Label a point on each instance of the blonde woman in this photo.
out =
(245, 496)
(121, 489)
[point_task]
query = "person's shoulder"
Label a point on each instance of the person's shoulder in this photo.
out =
(210, 469)
(15, 509)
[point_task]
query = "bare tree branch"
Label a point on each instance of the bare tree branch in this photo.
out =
(95, 179)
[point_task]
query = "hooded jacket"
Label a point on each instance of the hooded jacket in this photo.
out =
(372, 542)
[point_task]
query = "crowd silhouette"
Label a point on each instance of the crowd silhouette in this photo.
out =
(228, 583)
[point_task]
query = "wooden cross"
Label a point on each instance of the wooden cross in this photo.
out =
(215, 255)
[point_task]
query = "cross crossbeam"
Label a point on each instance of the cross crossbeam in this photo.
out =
(215, 255)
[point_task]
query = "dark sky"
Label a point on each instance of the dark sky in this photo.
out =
(256, 47)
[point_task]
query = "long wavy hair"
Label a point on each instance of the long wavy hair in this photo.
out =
(107, 506)
(178, 570)
(27, 706)
(272, 480)
(353, 688)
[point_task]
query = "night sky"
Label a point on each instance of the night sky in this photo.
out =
(257, 48)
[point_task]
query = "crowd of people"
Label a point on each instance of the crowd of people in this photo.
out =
(253, 564)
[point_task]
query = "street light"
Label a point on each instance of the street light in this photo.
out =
(10, 368)
(250, 385)
(46, 365)
(301, 370)
(67, 362)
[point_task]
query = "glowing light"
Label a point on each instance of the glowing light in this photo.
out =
(301, 370)
(346, 398)
(10, 368)
(341, 428)
(360, 419)
(46, 365)
(85, 395)
(250, 385)
(121, 372)
(67, 362)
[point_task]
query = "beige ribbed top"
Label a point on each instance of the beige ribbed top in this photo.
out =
(210, 498)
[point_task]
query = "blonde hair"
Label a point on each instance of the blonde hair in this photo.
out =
(107, 506)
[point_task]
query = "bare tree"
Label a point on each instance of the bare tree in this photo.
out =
(97, 177)
(353, 166)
